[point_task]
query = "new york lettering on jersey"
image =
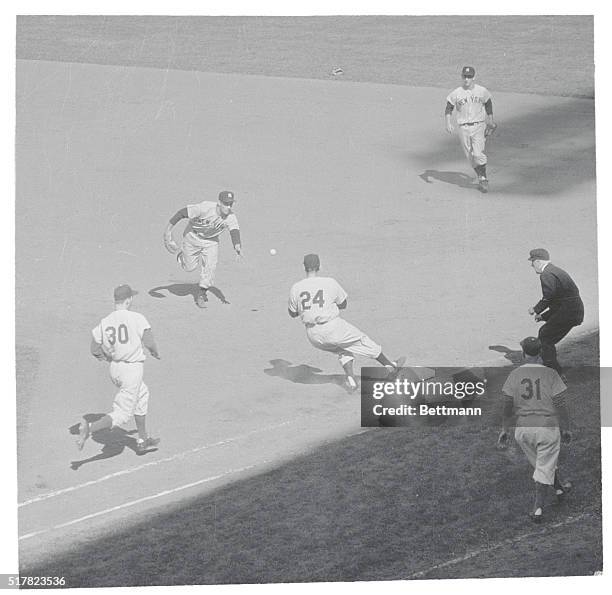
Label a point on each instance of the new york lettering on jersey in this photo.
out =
(121, 335)
(316, 299)
(205, 221)
(470, 103)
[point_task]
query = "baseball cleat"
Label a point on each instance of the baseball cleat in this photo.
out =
(83, 434)
(350, 384)
(396, 368)
(537, 515)
(143, 446)
(483, 185)
(561, 490)
(202, 299)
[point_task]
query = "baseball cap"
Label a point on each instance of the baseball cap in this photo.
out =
(123, 292)
(226, 197)
(468, 71)
(312, 262)
(539, 254)
(531, 345)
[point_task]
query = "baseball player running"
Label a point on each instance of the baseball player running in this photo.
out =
(200, 246)
(318, 301)
(474, 114)
(118, 339)
(535, 394)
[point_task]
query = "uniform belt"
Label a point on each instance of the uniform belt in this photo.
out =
(311, 324)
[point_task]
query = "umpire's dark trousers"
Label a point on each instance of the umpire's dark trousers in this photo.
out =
(555, 328)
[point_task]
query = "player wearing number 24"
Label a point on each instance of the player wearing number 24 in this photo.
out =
(535, 394)
(119, 339)
(318, 301)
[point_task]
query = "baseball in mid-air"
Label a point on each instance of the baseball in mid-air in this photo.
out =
(272, 251)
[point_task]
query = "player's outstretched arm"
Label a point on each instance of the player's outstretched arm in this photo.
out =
(169, 243)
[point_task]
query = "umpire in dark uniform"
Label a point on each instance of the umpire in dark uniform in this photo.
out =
(560, 307)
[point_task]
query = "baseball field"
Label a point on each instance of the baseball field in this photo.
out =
(263, 473)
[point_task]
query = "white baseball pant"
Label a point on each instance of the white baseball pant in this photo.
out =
(202, 253)
(473, 143)
(133, 396)
(541, 447)
(343, 339)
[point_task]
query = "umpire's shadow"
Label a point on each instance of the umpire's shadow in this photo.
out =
(186, 289)
(449, 177)
(114, 441)
(302, 373)
(513, 356)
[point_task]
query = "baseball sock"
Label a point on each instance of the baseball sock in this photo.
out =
(384, 360)
(540, 490)
(102, 424)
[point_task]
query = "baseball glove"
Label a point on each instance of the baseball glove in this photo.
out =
(490, 129)
(170, 244)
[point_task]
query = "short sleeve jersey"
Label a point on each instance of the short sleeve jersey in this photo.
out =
(316, 299)
(469, 103)
(532, 388)
(205, 221)
(121, 335)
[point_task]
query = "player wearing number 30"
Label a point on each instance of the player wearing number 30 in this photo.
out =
(119, 339)
(318, 301)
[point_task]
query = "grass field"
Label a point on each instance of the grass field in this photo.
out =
(263, 473)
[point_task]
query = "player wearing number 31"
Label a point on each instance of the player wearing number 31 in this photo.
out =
(534, 393)
(318, 301)
(119, 339)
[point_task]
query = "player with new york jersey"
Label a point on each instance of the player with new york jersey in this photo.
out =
(474, 112)
(119, 339)
(200, 246)
(318, 301)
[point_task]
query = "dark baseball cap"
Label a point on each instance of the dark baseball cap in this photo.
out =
(468, 71)
(312, 262)
(226, 197)
(531, 345)
(123, 292)
(539, 254)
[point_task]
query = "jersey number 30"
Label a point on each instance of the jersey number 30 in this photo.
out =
(307, 300)
(117, 334)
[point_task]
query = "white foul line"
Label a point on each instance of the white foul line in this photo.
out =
(496, 546)
(174, 457)
(140, 500)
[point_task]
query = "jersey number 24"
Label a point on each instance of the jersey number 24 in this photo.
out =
(307, 300)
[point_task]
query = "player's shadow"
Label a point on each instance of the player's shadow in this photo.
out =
(186, 289)
(513, 356)
(114, 441)
(302, 373)
(449, 177)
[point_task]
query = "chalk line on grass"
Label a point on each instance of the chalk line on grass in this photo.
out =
(140, 500)
(496, 546)
(169, 459)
